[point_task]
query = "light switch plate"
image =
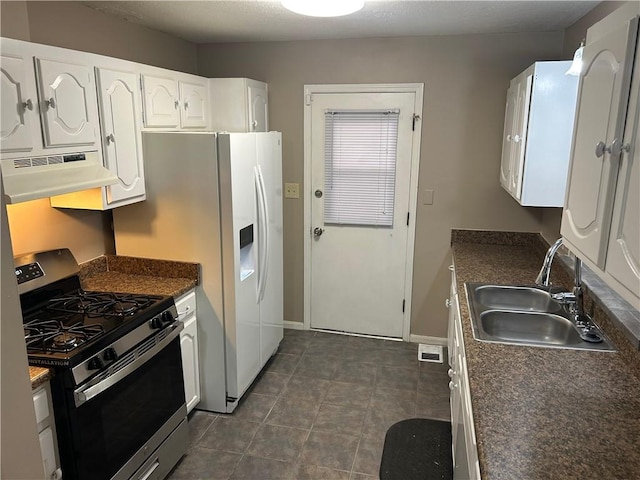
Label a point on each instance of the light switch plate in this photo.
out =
(427, 197)
(291, 190)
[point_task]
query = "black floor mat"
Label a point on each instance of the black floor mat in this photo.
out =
(417, 449)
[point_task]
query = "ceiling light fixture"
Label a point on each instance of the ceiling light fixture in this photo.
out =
(323, 8)
(576, 65)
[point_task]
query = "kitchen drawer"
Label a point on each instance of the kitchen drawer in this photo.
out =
(41, 405)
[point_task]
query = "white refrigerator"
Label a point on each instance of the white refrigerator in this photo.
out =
(216, 199)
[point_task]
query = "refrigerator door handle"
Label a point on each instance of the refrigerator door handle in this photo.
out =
(265, 220)
(261, 233)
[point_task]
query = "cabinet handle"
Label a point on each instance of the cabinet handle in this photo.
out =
(186, 105)
(111, 138)
(452, 385)
(28, 104)
(51, 103)
(176, 104)
(509, 137)
(517, 138)
(447, 303)
(615, 149)
(254, 124)
(451, 373)
(451, 268)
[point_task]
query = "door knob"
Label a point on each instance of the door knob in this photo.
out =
(317, 232)
(318, 193)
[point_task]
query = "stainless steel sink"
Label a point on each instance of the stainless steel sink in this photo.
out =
(516, 298)
(529, 327)
(526, 316)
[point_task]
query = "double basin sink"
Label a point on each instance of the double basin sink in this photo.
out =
(528, 316)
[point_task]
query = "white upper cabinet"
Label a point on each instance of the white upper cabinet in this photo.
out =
(68, 104)
(120, 120)
(537, 134)
(120, 116)
(18, 106)
(601, 219)
(175, 101)
(239, 105)
(161, 102)
(194, 106)
(257, 103)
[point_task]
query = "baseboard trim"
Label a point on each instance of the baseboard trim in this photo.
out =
(294, 325)
(428, 340)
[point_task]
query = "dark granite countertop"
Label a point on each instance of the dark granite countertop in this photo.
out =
(115, 273)
(542, 413)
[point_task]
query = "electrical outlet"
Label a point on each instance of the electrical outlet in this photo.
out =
(291, 190)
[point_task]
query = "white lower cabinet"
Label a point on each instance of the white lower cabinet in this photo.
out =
(46, 432)
(464, 446)
(186, 306)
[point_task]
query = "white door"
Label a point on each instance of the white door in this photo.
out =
(68, 104)
(160, 102)
(193, 112)
(240, 244)
(269, 160)
(189, 350)
(359, 210)
(602, 101)
(507, 137)
(521, 122)
(623, 257)
(258, 115)
(16, 108)
(119, 102)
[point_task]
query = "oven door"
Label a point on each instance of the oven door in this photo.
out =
(116, 423)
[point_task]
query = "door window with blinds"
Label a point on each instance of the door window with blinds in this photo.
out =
(360, 167)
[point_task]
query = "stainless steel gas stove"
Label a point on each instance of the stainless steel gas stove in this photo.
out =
(118, 387)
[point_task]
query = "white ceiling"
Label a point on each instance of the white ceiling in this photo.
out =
(266, 20)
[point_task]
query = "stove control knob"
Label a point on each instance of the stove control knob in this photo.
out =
(94, 364)
(167, 317)
(156, 322)
(110, 355)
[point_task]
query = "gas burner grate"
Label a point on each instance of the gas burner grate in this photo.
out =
(100, 304)
(52, 335)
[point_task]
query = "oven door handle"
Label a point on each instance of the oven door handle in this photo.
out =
(86, 393)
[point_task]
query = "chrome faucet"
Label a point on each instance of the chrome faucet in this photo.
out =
(572, 299)
(542, 280)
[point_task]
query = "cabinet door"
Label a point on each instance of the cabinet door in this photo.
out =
(190, 367)
(16, 108)
(193, 111)
(602, 103)
(623, 256)
(507, 138)
(160, 102)
(521, 122)
(119, 102)
(67, 103)
(48, 451)
(258, 112)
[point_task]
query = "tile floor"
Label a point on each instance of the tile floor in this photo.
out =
(319, 410)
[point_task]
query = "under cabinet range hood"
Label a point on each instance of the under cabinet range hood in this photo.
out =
(31, 178)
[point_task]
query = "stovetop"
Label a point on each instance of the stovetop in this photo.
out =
(69, 327)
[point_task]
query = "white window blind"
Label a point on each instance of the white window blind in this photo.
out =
(360, 167)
